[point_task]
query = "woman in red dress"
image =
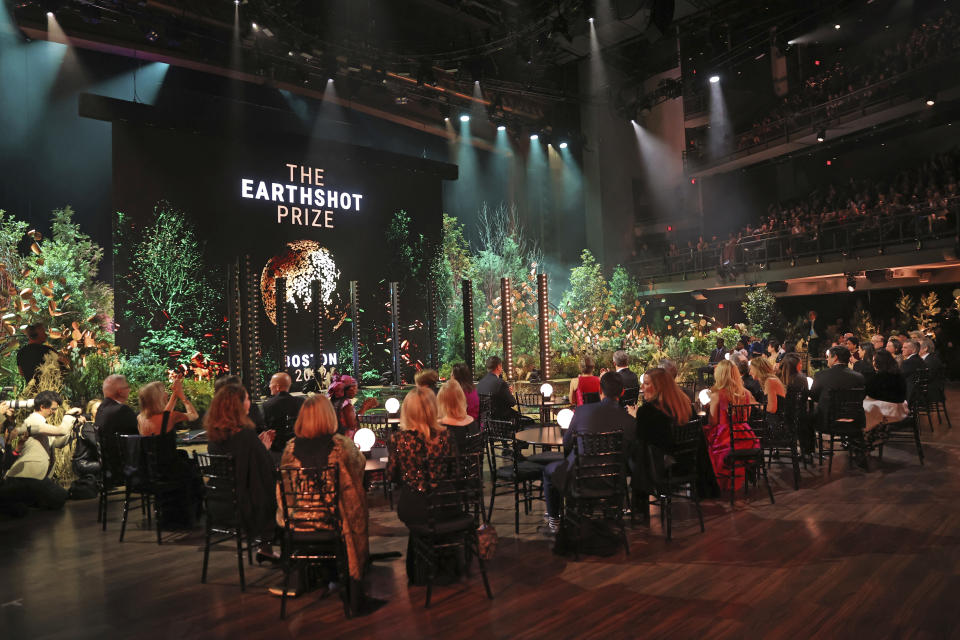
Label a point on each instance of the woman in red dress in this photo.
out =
(727, 390)
(585, 383)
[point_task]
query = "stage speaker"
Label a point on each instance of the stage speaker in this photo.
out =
(777, 286)
(877, 276)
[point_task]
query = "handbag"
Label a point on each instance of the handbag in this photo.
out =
(487, 541)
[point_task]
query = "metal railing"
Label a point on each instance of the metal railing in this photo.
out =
(832, 240)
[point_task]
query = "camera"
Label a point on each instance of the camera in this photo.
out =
(21, 404)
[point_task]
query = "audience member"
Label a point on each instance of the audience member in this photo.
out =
(463, 375)
(502, 402)
(452, 413)
(878, 342)
(115, 418)
(864, 363)
(255, 415)
(771, 388)
(717, 355)
(886, 392)
(585, 383)
(597, 417)
(621, 363)
(727, 390)
(911, 363)
(230, 432)
(157, 416)
(316, 445)
(670, 367)
(428, 379)
(280, 412)
(751, 385)
(342, 392)
(837, 376)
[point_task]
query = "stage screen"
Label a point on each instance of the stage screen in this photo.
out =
(301, 210)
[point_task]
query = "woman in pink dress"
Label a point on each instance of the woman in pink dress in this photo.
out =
(585, 383)
(727, 390)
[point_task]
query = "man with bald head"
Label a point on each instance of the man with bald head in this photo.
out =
(114, 417)
(280, 411)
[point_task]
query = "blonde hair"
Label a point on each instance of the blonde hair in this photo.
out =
(762, 370)
(451, 402)
(727, 379)
(317, 418)
(93, 406)
(152, 398)
(419, 413)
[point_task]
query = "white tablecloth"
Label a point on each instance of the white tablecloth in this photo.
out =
(880, 411)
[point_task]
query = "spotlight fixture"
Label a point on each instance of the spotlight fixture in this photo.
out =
(501, 127)
(930, 101)
(563, 145)
(821, 135)
(836, 26)
(253, 25)
(851, 282)
(534, 137)
(464, 118)
(590, 20)
(49, 14)
(714, 79)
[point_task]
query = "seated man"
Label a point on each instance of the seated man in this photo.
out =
(114, 417)
(836, 376)
(280, 412)
(502, 402)
(598, 417)
(629, 378)
(28, 480)
(911, 363)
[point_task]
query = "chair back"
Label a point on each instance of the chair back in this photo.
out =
(791, 413)
(378, 423)
(747, 424)
(456, 486)
(502, 446)
(630, 396)
(309, 498)
(110, 467)
(590, 397)
(220, 496)
(140, 459)
(530, 399)
(472, 443)
(919, 387)
(599, 463)
(486, 402)
(845, 408)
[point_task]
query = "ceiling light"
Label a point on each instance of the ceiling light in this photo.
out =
(851, 283)
(501, 127)
(836, 26)
(534, 136)
(590, 20)
(931, 102)
(253, 25)
(714, 79)
(464, 118)
(821, 135)
(563, 145)
(49, 14)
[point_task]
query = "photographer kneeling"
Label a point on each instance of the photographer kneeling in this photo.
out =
(28, 480)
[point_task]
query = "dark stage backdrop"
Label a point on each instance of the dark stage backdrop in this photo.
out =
(301, 210)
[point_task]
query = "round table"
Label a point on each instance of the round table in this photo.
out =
(547, 436)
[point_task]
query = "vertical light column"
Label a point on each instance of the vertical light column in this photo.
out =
(355, 327)
(543, 320)
(316, 296)
(280, 304)
(395, 329)
(506, 326)
(469, 339)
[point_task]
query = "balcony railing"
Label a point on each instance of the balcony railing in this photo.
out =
(828, 241)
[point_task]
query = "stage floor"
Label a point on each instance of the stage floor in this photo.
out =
(854, 555)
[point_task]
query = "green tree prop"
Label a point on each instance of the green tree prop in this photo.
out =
(905, 307)
(927, 311)
(763, 315)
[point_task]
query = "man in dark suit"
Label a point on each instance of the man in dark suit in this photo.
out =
(598, 417)
(911, 363)
(813, 333)
(928, 353)
(502, 402)
(114, 417)
(629, 378)
(718, 353)
(836, 376)
(280, 412)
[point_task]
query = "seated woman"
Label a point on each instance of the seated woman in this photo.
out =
(316, 444)
(230, 432)
(427, 378)
(342, 392)
(665, 407)
(886, 393)
(179, 507)
(157, 416)
(452, 408)
(864, 363)
(585, 383)
(463, 375)
(416, 459)
(773, 390)
(727, 390)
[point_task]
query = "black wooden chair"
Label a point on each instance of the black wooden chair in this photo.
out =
(937, 397)
(454, 509)
(140, 457)
(747, 427)
(312, 528)
(508, 470)
(842, 420)
(674, 473)
(109, 483)
(383, 430)
(222, 509)
(532, 401)
(920, 387)
(591, 397)
(906, 430)
(782, 433)
(486, 402)
(597, 488)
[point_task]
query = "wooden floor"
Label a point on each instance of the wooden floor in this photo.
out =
(855, 555)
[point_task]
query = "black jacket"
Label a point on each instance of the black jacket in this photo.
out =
(114, 419)
(501, 400)
(935, 366)
(597, 417)
(85, 461)
(837, 377)
(629, 378)
(255, 481)
(908, 367)
(889, 387)
(280, 412)
(718, 354)
(865, 369)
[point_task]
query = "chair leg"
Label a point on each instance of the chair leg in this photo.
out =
(156, 515)
(668, 507)
(795, 458)
(250, 551)
(696, 503)
(947, 415)
(483, 573)
(766, 481)
(916, 439)
(126, 508)
(206, 557)
(516, 507)
(243, 584)
(283, 594)
(830, 454)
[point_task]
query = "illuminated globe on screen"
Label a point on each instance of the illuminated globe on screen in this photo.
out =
(302, 262)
